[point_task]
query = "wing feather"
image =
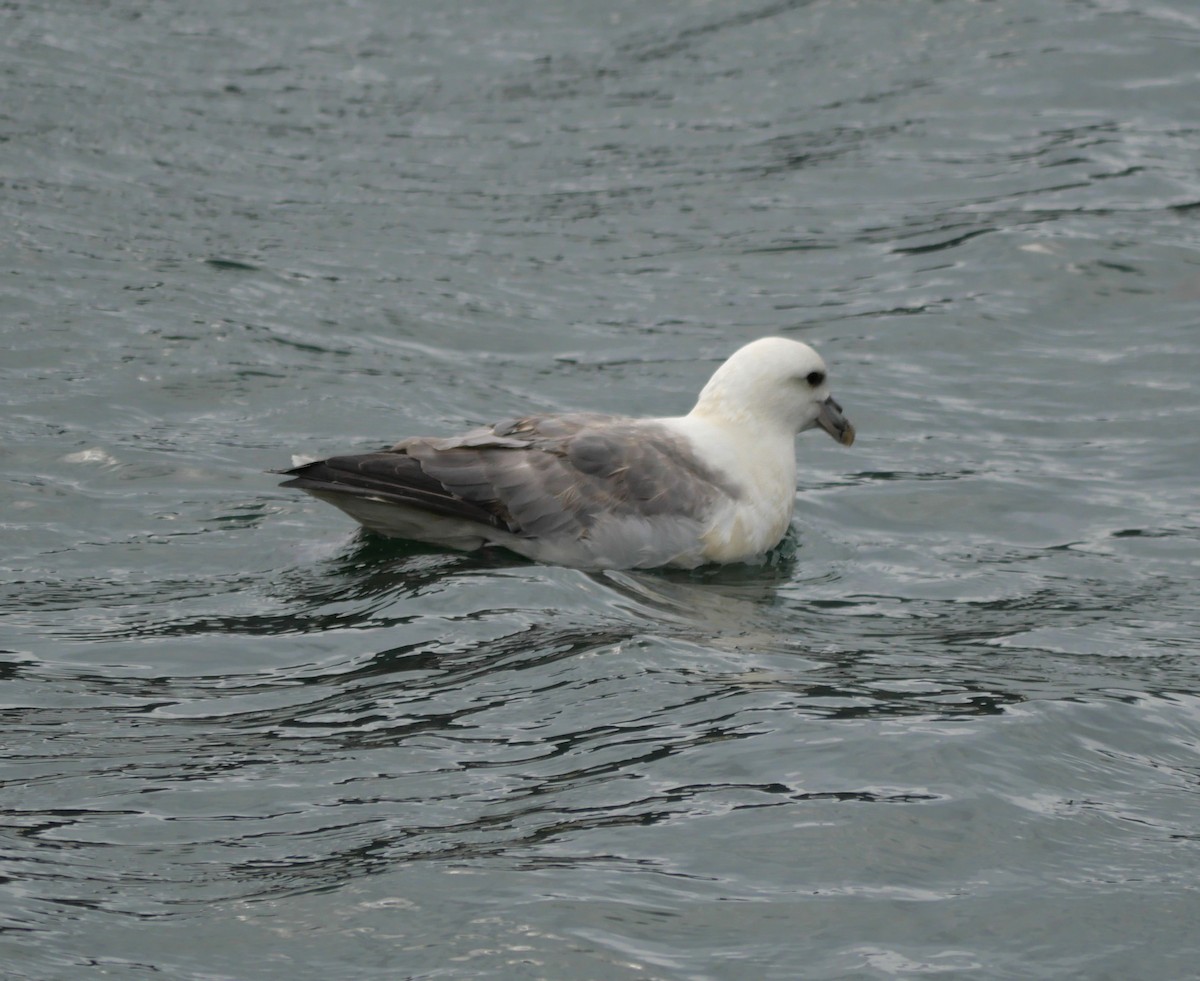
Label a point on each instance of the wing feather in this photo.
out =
(562, 478)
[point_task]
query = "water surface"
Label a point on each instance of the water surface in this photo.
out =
(951, 727)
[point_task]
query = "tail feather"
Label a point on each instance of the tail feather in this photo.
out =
(390, 477)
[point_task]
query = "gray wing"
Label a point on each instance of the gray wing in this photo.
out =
(569, 477)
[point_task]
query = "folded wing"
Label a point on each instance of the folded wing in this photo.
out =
(615, 487)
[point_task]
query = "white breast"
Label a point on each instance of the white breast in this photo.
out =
(762, 465)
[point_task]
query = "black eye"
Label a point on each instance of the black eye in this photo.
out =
(815, 378)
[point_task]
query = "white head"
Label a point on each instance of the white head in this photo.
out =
(774, 383)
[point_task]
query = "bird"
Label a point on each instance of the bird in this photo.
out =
(594, 491)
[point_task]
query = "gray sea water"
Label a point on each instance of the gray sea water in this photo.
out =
(951, 728)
